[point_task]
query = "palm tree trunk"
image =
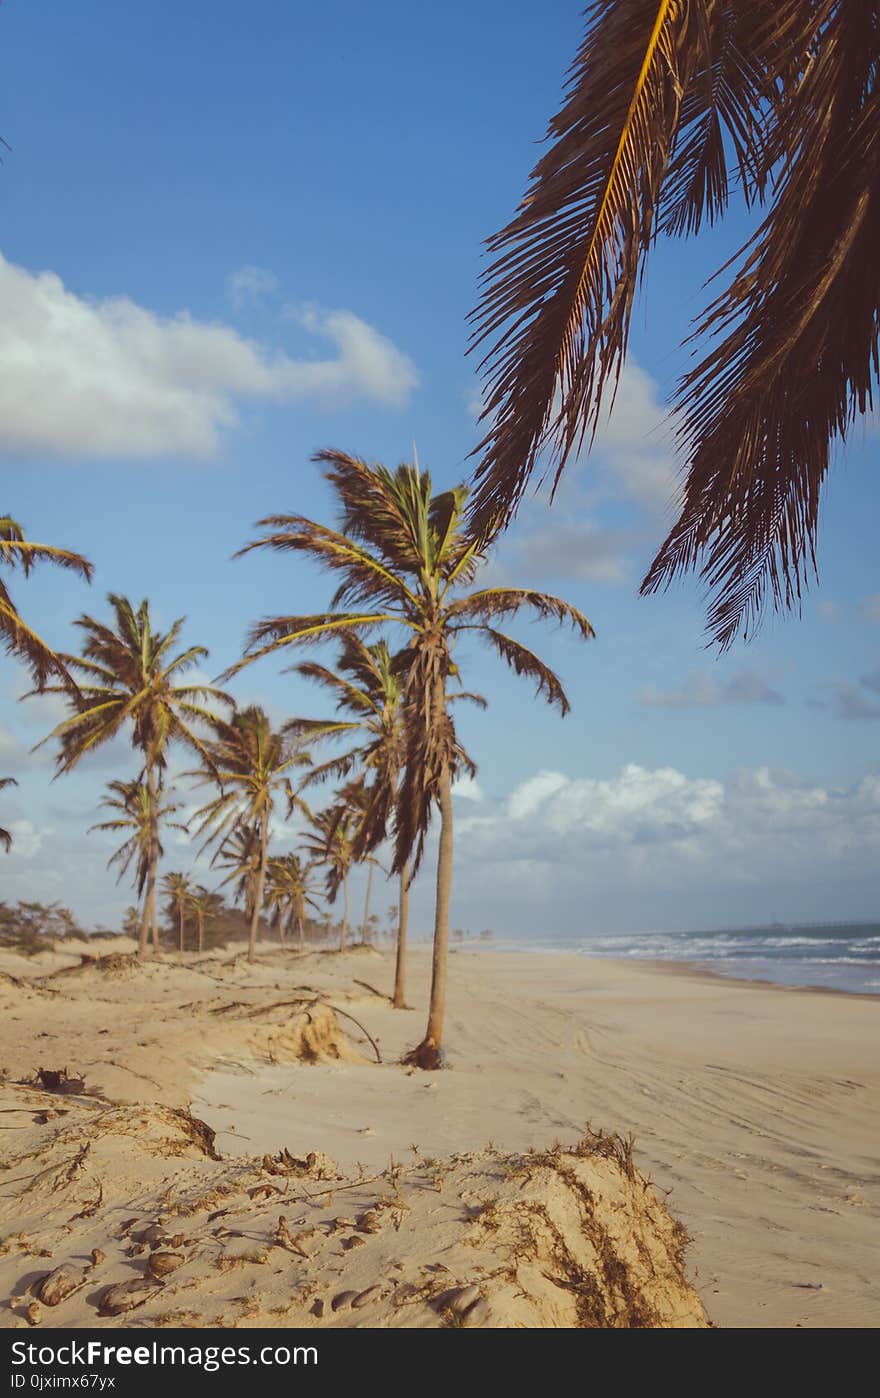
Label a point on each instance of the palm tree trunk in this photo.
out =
(399, 1001)
(144, 933)
(201, 917)
(344, 932)
(429, 1052)
(365, 928)
(291, 920)
(149, 921)
(301, 929)
(261, 885)
(180, 926)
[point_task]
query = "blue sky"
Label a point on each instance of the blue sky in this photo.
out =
(233, 234)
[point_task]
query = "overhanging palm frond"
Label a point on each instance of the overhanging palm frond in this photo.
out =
(557, 297)
(663, 97)
(794, 358)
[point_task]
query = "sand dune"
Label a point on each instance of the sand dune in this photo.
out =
(756, 1107)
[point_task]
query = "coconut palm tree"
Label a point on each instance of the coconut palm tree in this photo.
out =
(140, 812)
(5, 836)
(20, 639)
(671, 106)
(252, 766)
(289, 892)
(405, 556)
(329, 843)
(205, 906)
(128, 679)
(368, 684)
(178, 890)
(240, 854)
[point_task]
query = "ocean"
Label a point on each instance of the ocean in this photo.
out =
(833, 956)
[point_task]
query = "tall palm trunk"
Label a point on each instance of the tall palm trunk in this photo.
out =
(429, 1052)
(148, 923)
(344, 932)
(260, 887)
(201, 918)
(180, 925)
(365, 928)
(399, 1001)
(301, 929)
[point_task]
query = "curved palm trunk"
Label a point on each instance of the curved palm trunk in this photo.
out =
(260, 886)
(148, 923)
(399, 1000)
(365, 931)
(429, 1053)
(344, 932)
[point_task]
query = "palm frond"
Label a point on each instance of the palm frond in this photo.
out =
(557, 297)
(793, 357)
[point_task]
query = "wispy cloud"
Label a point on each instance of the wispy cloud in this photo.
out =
(250, 285)
(80, 377)
(871, 606)
(704, 691)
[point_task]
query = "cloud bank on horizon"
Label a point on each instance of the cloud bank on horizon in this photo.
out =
(109, 378)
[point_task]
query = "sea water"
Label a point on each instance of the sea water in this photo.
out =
(833, 956)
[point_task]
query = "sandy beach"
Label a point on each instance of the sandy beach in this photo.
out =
(754, 1111)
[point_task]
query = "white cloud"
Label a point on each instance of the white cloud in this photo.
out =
(667, 828)
(704, 691)
(110, 378)
(634, 442)
(579, 551)
(468, 788)
(27, 838)
(828, 611)
(249, 285)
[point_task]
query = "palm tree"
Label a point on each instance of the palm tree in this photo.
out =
(662, 97)
(5, 835)
(240, 854)
(20, 640)
(405, 556)
(252, 766)
(178, 890)
(330, 844)
(139, 813)
(289, 893)
(368, 685)
(205, 905)
(128, 678)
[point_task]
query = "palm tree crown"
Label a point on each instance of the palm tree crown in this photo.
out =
(404, 555)
(663, 99)
(137, 810)
(129, 676)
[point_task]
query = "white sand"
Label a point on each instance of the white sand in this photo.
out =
(755, 1107)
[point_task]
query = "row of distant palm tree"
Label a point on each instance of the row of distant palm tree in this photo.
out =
(405, 561)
